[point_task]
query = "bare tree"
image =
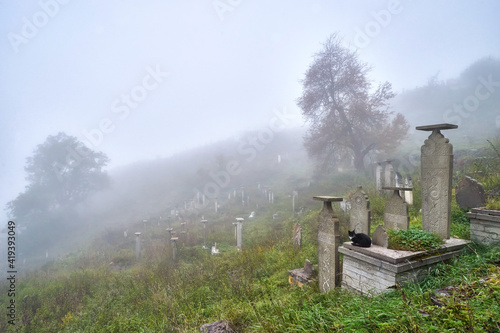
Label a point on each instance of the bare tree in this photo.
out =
(348, 119)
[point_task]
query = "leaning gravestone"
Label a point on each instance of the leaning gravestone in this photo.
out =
(469, 193)
(360, 212)
(396, 210)
(328, 243)
(301, 276)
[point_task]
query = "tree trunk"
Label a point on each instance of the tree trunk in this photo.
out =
(359, 163)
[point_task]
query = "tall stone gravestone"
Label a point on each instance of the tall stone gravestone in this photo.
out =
(137, 245)
(469, 193)
(408, 195)
(388, 175)
(398, 178)
(328, 243)
(378, 176)
(360, 212)
(436, 172)
(396, 210)
(239, 226)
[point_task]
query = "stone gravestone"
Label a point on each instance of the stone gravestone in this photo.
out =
(239, 226)
(389, 175)
(398, 179)
(396, 210)
(380, 237)
(297, 235)
(408, 195)
(469, 193)
(378, 176)
(360, 212)
(328, 243)
(137, 245)
(303, 275)
(436, 172)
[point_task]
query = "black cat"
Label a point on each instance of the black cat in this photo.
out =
(361, 240)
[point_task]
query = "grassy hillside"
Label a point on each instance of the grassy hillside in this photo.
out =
(105, 289)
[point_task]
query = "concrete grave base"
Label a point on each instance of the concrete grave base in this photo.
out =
(484, 225)
(376, 269)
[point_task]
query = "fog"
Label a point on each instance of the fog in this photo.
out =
(147, 80)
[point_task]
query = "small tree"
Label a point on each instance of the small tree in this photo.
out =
(61, 172)
(348, 120)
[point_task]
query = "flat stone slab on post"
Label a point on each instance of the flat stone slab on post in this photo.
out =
(436, 127)
(328, 242)
(436, 172)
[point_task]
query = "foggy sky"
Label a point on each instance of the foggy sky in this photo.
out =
(145, 79)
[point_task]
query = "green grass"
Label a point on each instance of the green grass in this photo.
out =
(105, 289)
(413, 240)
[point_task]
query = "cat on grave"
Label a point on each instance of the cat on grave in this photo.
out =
(361, 240)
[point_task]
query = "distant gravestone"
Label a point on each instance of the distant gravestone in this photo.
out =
(297, 235)
(360, 212)
(469, 193)
(398, 178)
(408, 195)
(396, 211)
(378, 177)
(389, 175)
(380, 237)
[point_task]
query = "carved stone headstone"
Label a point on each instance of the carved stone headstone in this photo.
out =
(297, 235)
(396, 211)
(328, 243)
(408, 195)
(360, 212)
(469, 193)
(436, 169)
(380, 237)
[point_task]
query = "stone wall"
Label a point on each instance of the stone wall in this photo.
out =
(484, 226)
